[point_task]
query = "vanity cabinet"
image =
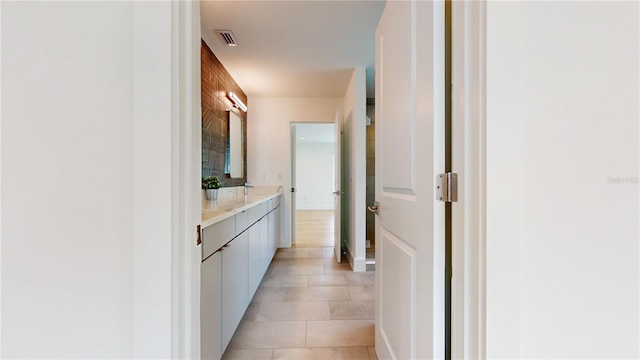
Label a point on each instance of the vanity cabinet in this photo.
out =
(236, 254)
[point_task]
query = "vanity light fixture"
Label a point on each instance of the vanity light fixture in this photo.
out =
(236, 101)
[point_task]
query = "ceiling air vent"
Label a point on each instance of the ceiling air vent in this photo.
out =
(227, 37)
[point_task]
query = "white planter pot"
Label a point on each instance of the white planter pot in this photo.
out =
(212, 194)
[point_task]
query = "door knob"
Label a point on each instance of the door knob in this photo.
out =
(337, 192)
(374, 208)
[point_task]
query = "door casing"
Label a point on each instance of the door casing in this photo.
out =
(469, 162)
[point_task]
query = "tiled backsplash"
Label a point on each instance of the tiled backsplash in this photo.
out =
(216, 82)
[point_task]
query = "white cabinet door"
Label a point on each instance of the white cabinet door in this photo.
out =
(273, 231)
(265, 252)
(211, 307)
(254, 259)
(235, 290)
(278, 227)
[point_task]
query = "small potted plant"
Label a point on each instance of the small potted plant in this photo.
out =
(211, 184)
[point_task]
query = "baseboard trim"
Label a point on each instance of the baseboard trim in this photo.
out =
(357, 264)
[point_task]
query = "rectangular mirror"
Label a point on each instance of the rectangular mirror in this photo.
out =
(234, 164)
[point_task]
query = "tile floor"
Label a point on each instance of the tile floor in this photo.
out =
(308, 307)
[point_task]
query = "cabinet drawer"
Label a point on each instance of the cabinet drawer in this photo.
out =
(216, 235)
(256, 213)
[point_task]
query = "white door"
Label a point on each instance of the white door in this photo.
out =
(337, 186)
(410, 253)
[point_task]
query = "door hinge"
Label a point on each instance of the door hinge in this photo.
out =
(447, 187)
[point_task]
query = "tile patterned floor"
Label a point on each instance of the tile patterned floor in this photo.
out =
(308, 307)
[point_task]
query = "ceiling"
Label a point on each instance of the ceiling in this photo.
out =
(294, 48)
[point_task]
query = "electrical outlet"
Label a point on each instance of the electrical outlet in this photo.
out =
(368, 244)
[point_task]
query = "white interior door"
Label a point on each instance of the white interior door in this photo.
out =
(410, 321)
(337, 186)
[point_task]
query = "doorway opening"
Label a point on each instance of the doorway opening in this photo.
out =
(312, 202)
(370, 242)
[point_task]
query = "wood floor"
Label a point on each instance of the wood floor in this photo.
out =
(314, 228)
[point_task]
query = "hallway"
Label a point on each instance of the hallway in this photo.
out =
(308, 307)
(314, 228)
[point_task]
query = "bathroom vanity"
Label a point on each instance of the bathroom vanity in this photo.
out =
(240, 235)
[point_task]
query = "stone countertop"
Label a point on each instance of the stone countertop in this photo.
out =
(223, 208)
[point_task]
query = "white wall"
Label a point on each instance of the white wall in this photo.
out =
(269, 141)
(86, 241)
(355, 142)
(314, 176)
(152, 201)
(67, 179)
(562, 180)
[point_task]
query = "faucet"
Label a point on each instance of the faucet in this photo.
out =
(246, 188)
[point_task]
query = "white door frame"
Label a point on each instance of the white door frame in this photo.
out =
(175, 276)
(469, 161)
(469, 214)
(337, 186)
(185, 180)
(293, 137)
(293, 157)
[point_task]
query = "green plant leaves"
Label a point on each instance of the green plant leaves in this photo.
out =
(211, 182)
